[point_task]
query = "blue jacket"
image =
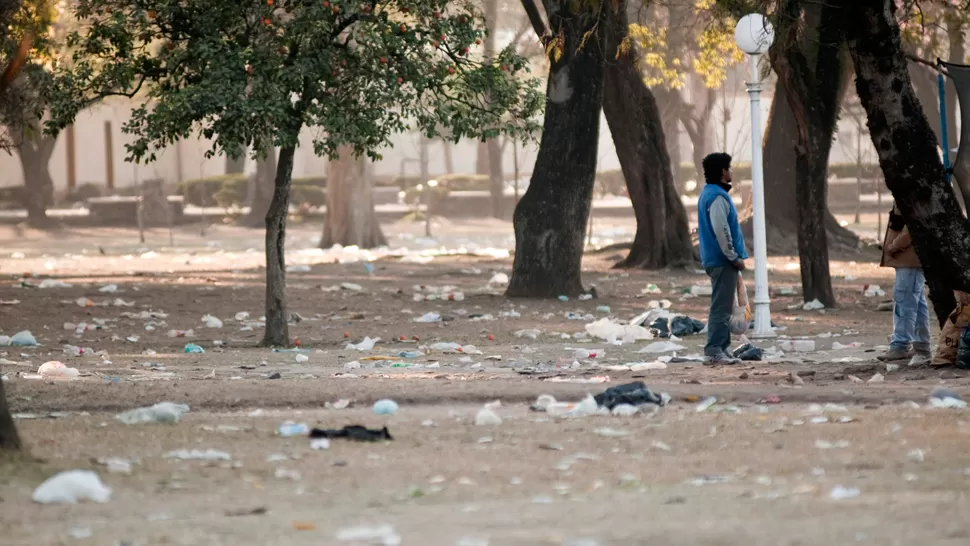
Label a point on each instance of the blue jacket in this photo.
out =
(713, 252)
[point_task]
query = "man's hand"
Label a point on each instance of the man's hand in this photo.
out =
(739, 265)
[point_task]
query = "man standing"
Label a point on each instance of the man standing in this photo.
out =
(722, 253)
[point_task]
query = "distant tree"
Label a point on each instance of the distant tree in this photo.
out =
(250, 74)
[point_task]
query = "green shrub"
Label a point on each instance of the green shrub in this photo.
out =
(202, 191)
(83, 192)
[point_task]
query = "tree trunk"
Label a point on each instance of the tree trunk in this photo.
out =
(277, 331)
(238, 165)
(781, 202)
(551, 218)
(481, 158)
(496, 178)
(663, 236)
(9, 439)
(669, 106)
(811, 69)
(35, 155)
(907, 150)
(351, 219)
(449, 160)
(259, 190)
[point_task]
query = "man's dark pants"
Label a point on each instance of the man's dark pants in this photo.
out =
(724, 281)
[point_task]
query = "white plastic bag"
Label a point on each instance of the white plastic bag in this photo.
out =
(741, 316)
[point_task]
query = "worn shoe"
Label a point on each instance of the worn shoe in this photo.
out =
(920, 360)
(894, 354)
(722, 359)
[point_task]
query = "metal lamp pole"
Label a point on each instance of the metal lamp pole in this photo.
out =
(754, 35)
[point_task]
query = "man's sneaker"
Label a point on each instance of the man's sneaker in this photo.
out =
(894, 354)
(920, 360)
(722, 359)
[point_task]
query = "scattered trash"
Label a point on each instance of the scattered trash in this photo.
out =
(916, 456)
(646, 366)
(487, 418)
(705, 404)
(367, 534)
(836, 346)
(607, 432)
(748, 353)
(625, 410)
(844, 493)
(662, 347)
(813, 305)
(583, 354)
(162, 412)
(617, 334)
(109, 288)
(57, 370)
(193, 348)
(53, 283)
(873, 291)
(21, 339)
(797, 345)
(677, 325)
(429, 317)
(211, 321)
(198, 455)
(385, 407)
(353, 432)
(945, 398)
(634, 394)
(320, 443)
(289, 429)
(499, 278)
(117, 465)
(302, 357)
(366, 345)
(877, 378)
(701, 290)
(71, 486)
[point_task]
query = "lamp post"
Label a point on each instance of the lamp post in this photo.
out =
(754, 35)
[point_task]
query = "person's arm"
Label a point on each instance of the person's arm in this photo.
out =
(719, 211)
(901, 242)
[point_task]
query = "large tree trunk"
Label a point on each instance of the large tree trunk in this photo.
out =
(277, 331)
(9, 439)
(811, 70)
(663, 235)
(259, 190)
(907, 150)
(351, 219)
(781, 202)
(35, 155)
(551, 218)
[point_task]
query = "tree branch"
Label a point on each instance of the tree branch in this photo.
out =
(538, 25)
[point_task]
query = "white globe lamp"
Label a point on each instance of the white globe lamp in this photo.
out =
(754, 34)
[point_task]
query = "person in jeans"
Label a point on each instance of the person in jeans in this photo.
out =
(722, 253)
(911, 316)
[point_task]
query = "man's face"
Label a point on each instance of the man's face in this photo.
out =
(726, 175)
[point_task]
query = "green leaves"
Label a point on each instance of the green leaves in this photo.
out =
(252, 73)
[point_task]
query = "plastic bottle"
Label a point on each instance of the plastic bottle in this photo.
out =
(582, 354)
(963, 352)
(293, 429)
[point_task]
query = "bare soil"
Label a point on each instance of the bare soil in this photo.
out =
(443, 483)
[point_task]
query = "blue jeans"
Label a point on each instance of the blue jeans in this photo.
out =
(911, 317)
(724, 284)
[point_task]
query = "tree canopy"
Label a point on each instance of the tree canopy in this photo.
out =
(252, 73)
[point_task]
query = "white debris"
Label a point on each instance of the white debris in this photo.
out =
(198, 455)
(877, 378)
(383, 535)
(945, 398)
(645, 366)
(429, 317)
(836, 346)
(487, 418)
(844, 493)
(242, 315)
(162, 412)
(385, 407)
(499, 279)
(366, 345)
(587, 407)
(813, 305)
(797, 345)
(109, 288)
(625, 410)
(57, 370)
(72, 486)
(300, 357)
(617, 334)
(916, 456)
(320, 443)
(873, 291)
(662, 347)
(607, 432)
(53, 283)
(211, 321)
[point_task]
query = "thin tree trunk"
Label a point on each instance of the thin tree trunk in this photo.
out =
(551, 218)
(277, 331)
(9, 439)
(663, 236)
(259, 190)
(496, 177)
(35, 155)
(481, 158)
(907, 150)
(449, 160)
(237, 165)
(351, 219)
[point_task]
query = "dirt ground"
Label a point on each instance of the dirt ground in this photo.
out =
(742, 472)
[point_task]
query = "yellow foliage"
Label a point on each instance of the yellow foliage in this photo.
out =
(713, 53)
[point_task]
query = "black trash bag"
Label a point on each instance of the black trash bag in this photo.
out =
(353, 432)
(963, 350)
(635, 394)
(660, 328)
(685, 326)
(749, 352)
